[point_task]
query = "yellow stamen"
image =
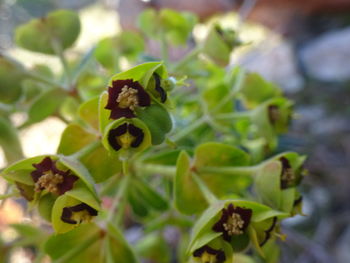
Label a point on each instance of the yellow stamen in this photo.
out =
(207, 258)
(81, 217)
(288, 175)
(125, 140)
(234, 225)
(127, 98)
(49, 181)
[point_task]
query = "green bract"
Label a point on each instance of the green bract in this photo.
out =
(219, 43)
(203, 232)
(188, 197)
(51, 34)
(276, 181)
(126, 146)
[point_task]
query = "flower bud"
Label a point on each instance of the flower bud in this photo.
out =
(219, 44)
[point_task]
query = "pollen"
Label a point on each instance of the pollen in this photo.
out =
(50, 182)
(128, 98)
(234, 225)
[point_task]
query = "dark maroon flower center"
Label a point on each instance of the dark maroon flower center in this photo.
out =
(207, 254)
(78, 214)
(287, 175)
(274, 114)
(161, 92)
(268, 231)
(48, 177)
(125, 136)
(124, 97)
(233, 221)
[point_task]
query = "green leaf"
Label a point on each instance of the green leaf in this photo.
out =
(101, 164)
(45, 205)
(29, 235)
(74, 137)
(39, 35)
(141, 73)
(147, 23)
(268, 184)
(69, 109)
(158, 121)
(103, 114)
(213, 97)
(214, 154)
(137, 203)
(166, 157)
(214, 42)
(188, 198)
(118, 246)
(202, 231)
(80, 170)
(150, 196)
(9, 141)
(153, 247)
(88, 112)
(45, 105)
(20, 171)
(177, 26)
(126, 43)
(256, 90)
(83, 194)
(58, 246)
(61, 202)
(11, 76)
(219, 154)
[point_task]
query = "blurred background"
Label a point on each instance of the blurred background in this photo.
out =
(303, 46)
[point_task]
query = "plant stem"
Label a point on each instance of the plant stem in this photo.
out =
(208, 195)
(190, 56)
(234, 115)
(5, 196)
(235, 89)
(183, 133)
(67, 257)
(170, 171)
(165, 170)
(59, 52)
(120, 198)
(86, 150)
(231, 170)
(40, 78)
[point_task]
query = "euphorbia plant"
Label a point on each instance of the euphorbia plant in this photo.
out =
(158, 144)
